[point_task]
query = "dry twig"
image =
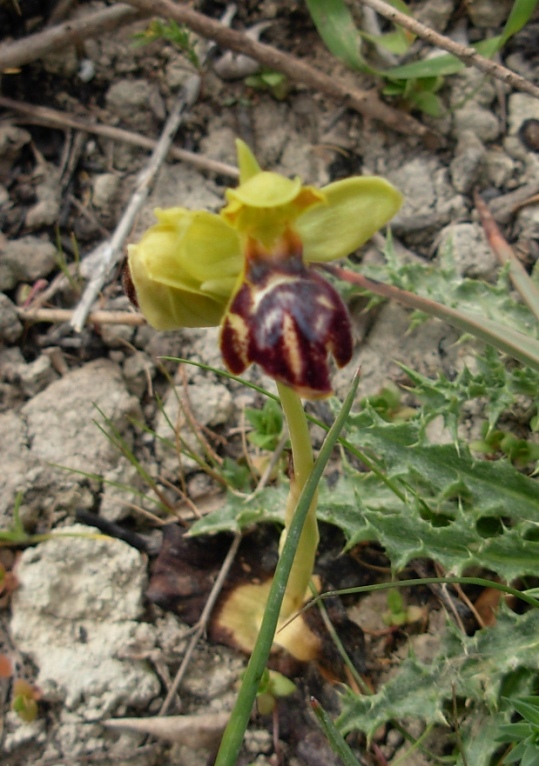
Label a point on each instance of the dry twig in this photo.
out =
(465, 53)
(43, 115)
(110, 252)
(32, 47)
(56, 316)
(203, 622)
(364, 102)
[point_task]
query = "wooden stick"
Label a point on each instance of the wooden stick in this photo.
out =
(57, 316)
(365, 102)
(32, 47)
(465, 53)
(45, 116)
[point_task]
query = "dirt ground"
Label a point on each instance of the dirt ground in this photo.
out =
(80, 623)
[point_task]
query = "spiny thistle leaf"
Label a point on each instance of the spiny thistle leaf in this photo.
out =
(457, 510)
(473, 668)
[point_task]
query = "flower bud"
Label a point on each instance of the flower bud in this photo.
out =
(184, 269)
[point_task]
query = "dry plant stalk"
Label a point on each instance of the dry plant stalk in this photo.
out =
(44, 115)
(364, 102)
(32, 47)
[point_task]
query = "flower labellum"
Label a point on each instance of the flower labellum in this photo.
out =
(250, 270)
(286, 318)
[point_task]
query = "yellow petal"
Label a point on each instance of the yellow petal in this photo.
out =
(167, 307)
(265, 189)
(184, 269)
(356, 208)
(247, 163)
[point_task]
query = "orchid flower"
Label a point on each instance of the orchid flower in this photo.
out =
(251, 269)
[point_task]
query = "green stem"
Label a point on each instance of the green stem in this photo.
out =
(235, 730)
(303, 461)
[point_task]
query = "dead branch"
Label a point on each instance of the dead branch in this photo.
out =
(43, 115)
(202, 625)
(32, 47)
(364, 102)
(110, 252)
(57, 316)
(465, 53)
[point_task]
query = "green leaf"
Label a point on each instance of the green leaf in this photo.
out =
(472, 668)
(521, 13)
(442, 65)
(457, 510)
(237, 512)
(337, 29)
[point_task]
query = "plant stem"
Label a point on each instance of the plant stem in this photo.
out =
(303, 461)
(234, 732)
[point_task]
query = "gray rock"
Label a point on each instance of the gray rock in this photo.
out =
(498, 167)
(12, 139)
(466, 164)
(47, 209)
(117, 335)
(60, 420)
(479, 120)
(211, 405)
(10, 325)
(135, 102)
(116, 501)
(57, 427)
(25, 260)
(75, 613)
(486, 14)
(470, 86)
(528, 222)
(105, 189)
(414, 180)
(14, 456)
(521, 107)
(37, 375)
(435, 13)
(471, 253)
(138, 370)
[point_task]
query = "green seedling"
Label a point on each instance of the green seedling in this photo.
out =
(398, 614)
(523, 735)
(387, 403)
(273, 686)
(275, 83)
(520, 452)
(25, 699)
(267, 424)
(415, 84)
(179, 36)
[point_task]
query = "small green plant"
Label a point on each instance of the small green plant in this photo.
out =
(398, 613)
(523, 735)
(180, 36)
(274, 82)
(415, 84)
(267, 424)
(25, 699)
(273, 686)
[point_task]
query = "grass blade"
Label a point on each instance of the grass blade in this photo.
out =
(334, 737)
(336, 27)
(234, 732)
(511, 342)
(506, 256)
